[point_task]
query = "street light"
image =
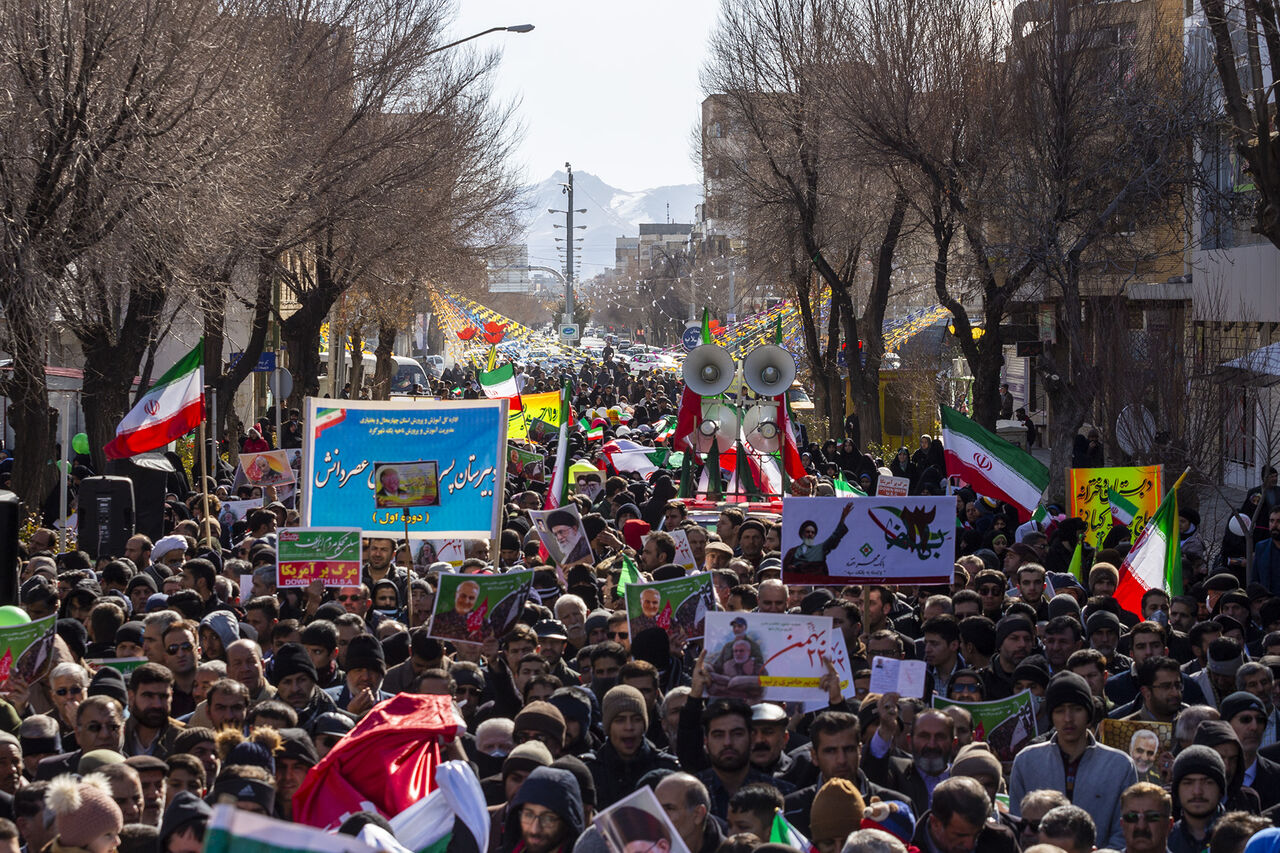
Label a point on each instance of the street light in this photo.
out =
(518, 28)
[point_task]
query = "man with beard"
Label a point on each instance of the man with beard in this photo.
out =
(150, 730)
(545, 815)
(1062, 636)
(1144, 746)
(1159, 682)
(726, 745)
(453, 623)
(569, 541)
(380, 555)
(1199, 781)
(933, 743)
(835, 749)
(294, 677)
(1146, 640)
(1014, 637)
(810, 556)
(1102, 630)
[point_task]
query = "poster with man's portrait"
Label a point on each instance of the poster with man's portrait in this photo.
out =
(638, 824)
(672, 605)
(563, 535)
(589, 483)
(1148, 743)
(774, 656)
(474, 608)
(399, 485)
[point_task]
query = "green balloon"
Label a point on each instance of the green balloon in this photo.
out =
(80, 444)
(10, 615)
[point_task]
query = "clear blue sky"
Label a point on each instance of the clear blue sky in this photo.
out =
(610, 86)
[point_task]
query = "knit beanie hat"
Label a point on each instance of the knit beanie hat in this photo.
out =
(899, 822)
(109, 682)
(620, 699)
(573, 705)
(1034, 668)
(836, 810)
(526, 756)
(291, 659)
(83, 810)
(365, 652)
(541, 717)
(1009, 624)
(975, 758)
(1063, 604)
(1199, 759)
(183, 810)
(1100, 619)
(1068, 688)
(1239, 702)
(580, 771)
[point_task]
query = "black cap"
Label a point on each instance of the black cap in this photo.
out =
(109, 682)
(291, 659)
(183, 810)
(296, 744)
(365, 652)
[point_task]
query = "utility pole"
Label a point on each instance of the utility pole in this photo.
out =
(569, 211)
(568, 248)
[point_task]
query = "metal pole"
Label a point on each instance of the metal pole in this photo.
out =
(568, 250)
(66, 469)
(733, 301)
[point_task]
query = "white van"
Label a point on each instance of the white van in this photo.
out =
(407, 373)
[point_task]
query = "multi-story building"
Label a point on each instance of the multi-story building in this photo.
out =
(509, 270)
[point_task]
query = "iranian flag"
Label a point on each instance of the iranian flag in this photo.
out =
(664, 430)
(499, 383)
(558, 490)
(845, 489)
(1155, 561)
(1123, 510)
(782, 832)
(595, 433)
(232, 829)
(994, 467)
(625, 455)
(172, 408)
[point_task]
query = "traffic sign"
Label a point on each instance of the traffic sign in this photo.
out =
(266, 362)
(569, 331)
(691, 337)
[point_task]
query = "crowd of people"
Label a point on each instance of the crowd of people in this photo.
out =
(245, 690)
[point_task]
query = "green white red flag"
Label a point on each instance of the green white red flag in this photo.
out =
(1155, 561)
(499, 382)
(994, 467)
(172, 408)
(1123, 510)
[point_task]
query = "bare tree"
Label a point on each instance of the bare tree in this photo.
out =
(1107, 119)
(102, 101)
(1246, 48)
(813, 211)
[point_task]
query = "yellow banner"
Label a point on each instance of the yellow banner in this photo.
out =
(1088, 490)
(541, 407)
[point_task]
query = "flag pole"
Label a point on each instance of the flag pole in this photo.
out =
(404, 513)
(1180, 479)
(204, 472)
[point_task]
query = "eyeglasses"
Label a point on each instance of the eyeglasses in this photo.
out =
(351, 598)
(966, 688)
(617, 635)
(1030, 826)
(69, 691)
(546, 820)
(174, 648)
(1145, 817)
(1251, 719)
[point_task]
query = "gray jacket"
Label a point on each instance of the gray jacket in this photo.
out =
(1102, 776)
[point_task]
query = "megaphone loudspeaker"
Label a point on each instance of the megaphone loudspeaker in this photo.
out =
(769, 370)
(708, 370)
(719, 425)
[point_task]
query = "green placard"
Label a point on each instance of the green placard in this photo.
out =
(1006, 725)
(679, 603)
(28, 649)
(473, 608)
(124, 666)
(331, 554)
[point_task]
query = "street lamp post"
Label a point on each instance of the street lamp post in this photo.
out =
(518, 28)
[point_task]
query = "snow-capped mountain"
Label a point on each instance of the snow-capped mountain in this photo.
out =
(611, 213)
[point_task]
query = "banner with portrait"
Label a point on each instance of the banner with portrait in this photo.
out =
(526, 463)
(28, 649)
(672, 605)
(1148, 742)
(562, 534)
(474, 608)
(538, 417)
(465, 441)
(1087, 490)
(1007, 725)
(841, 540)
(774, 656)
(639, 824)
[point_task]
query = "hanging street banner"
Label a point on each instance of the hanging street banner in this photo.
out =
(1089, 488)
(673, 605)
(465, 440)
(28, 649)
(330, 554)
(755, 656)
(474, 608)
(1006, 725)
(840, 540)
